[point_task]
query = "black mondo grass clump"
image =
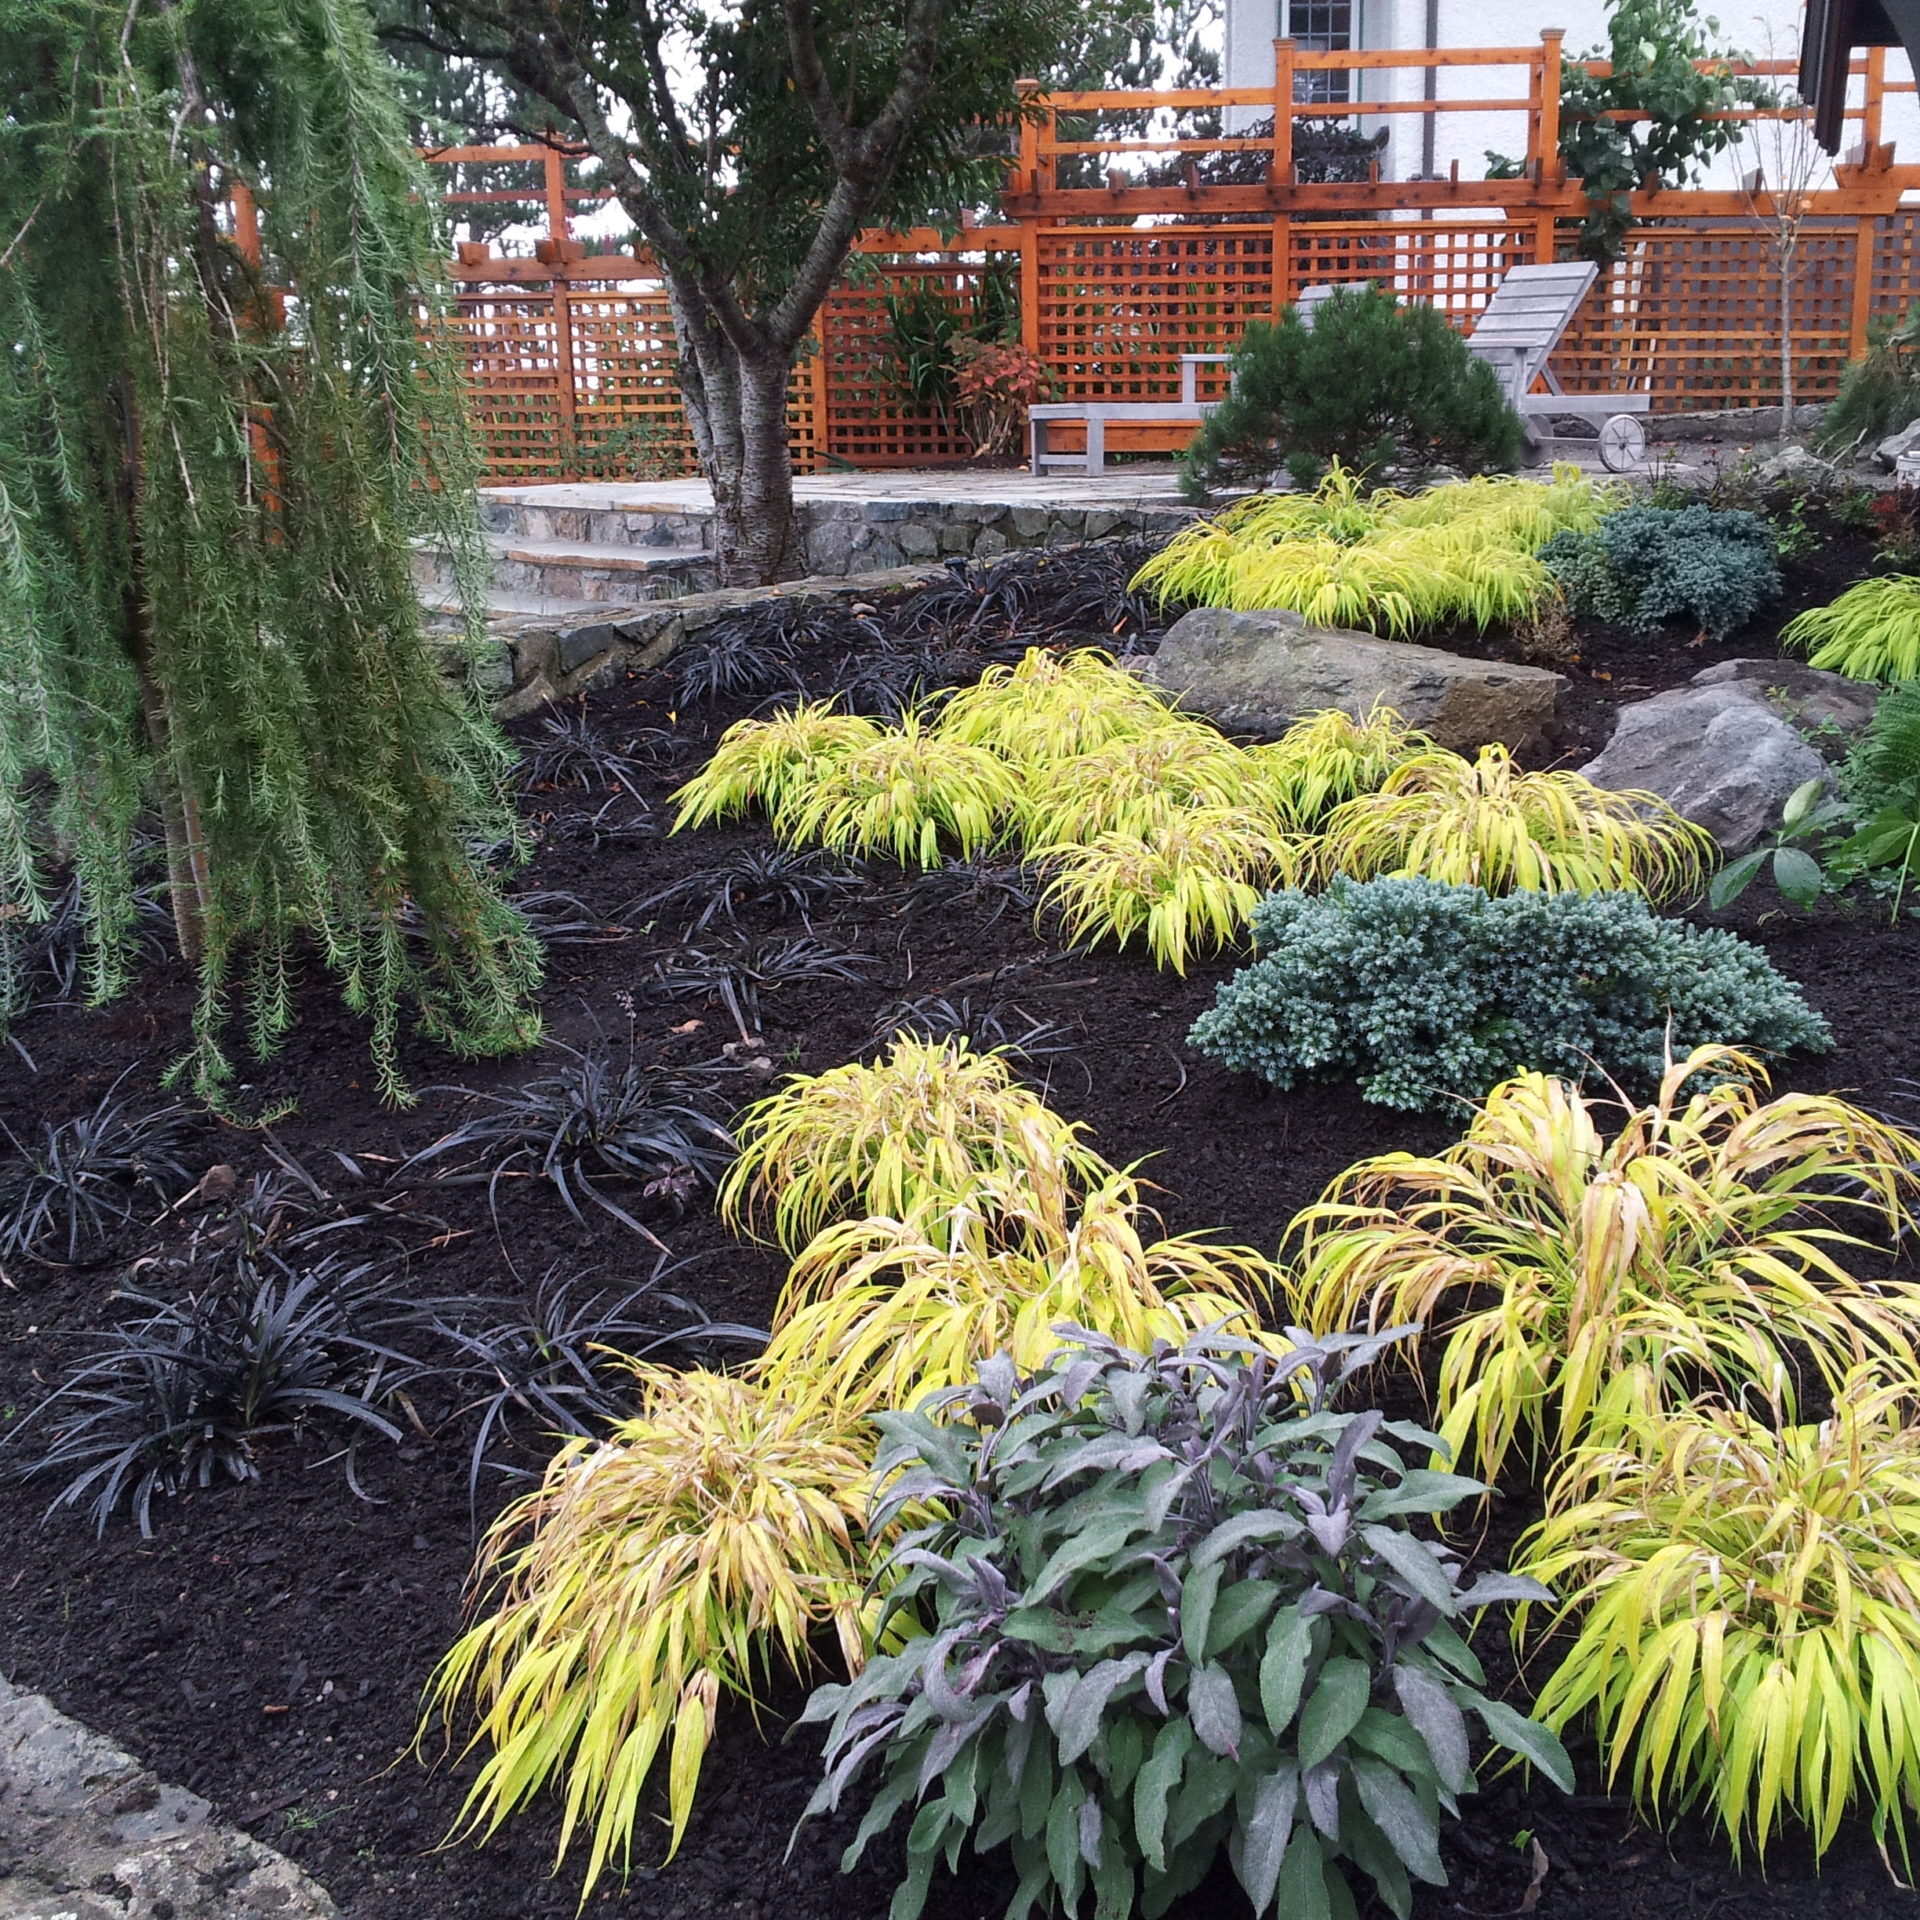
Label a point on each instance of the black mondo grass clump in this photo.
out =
(995, 1024)
(68, 1198)
(1176, 1604)
(566, 752)
(601, 1117)
(554, 1356)
(53, 958)
(189, 1393)
(1038, 595)
(981, 885)
(783, 881)
(738, 972)
(755, 651)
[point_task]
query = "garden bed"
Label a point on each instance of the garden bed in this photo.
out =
(268, 1646)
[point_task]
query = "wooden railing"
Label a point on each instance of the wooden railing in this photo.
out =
(1132, 238)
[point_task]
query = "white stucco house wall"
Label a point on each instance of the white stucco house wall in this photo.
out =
(1763, 28)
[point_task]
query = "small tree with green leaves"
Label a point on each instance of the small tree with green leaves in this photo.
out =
(1665, 67)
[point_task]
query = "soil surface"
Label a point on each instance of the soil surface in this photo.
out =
(267, 1647)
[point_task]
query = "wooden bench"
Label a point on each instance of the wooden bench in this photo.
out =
(1137, 426)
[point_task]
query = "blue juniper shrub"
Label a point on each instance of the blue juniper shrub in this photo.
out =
(1423, 992)
(1643, 565)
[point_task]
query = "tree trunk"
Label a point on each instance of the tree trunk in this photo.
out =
(736, 407)
(1786, 342)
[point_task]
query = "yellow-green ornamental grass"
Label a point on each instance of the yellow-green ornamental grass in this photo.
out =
(680, 1557)
(1189, 885)
(880, 1311)
(1571, 1278)
(926, 1125)
(651, 1572)
(768, 763)
(1744, 1595)
(1385, 561)
(1486, 823)
(1871, 632)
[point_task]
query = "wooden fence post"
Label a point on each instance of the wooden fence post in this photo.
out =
(558, 234)
(1282, 173)
(1029, 183)
(1549, 170)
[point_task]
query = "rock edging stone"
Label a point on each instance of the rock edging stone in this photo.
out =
(1727, 749)
(1260, 672)
(87, 1833)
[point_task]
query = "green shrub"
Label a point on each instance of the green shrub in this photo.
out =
(1644, 565)
(1422, 992)
(1176, 1605)
(1371, 384)
(1879, 392)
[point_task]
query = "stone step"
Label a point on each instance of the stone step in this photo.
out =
(581, 572)
(596, 515)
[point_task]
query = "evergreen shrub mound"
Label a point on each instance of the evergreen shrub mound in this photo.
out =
(1644, 565)
(1371, 384)
(1423, 992)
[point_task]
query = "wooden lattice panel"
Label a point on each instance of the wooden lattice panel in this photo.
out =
(872, 420)
(627, 418)
(1895, 282)
(1119, 306)
(1691, 315)
(508, 343)
(1451, 265)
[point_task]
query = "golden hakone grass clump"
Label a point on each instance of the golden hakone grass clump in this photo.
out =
(1051, 707)
(1189, 885)
(879, 1311)
(700, 1543)
(1487, 823)
(1390, 562)
(765, 764)
(651, 1572)
(925, 1124)
(909, 793)
(1571, 1279)
(1138, 786)
(1743, 1597)
(1330, 757)
(1871, 632)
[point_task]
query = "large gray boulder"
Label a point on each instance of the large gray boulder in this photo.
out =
(1730, 747)
(1260, 672)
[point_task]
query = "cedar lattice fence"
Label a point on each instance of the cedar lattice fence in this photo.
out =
(571, 354)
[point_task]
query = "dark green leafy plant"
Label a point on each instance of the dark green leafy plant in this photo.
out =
(1372, 384)
(1425, 994)
(1879, 392)
(1175, 1604)
(1805, 822)
(1883, 776)
(1644, 565)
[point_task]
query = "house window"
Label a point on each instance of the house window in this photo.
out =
(1322, 26)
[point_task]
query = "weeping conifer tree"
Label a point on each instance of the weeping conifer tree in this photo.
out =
(214, 460)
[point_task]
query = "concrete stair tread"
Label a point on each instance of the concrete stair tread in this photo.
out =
(592, 553)
(512, 603)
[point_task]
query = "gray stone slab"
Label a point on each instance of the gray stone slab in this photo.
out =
(1260, 672)
(87, 1833)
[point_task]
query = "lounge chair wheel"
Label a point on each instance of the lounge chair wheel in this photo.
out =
(1623, 443)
